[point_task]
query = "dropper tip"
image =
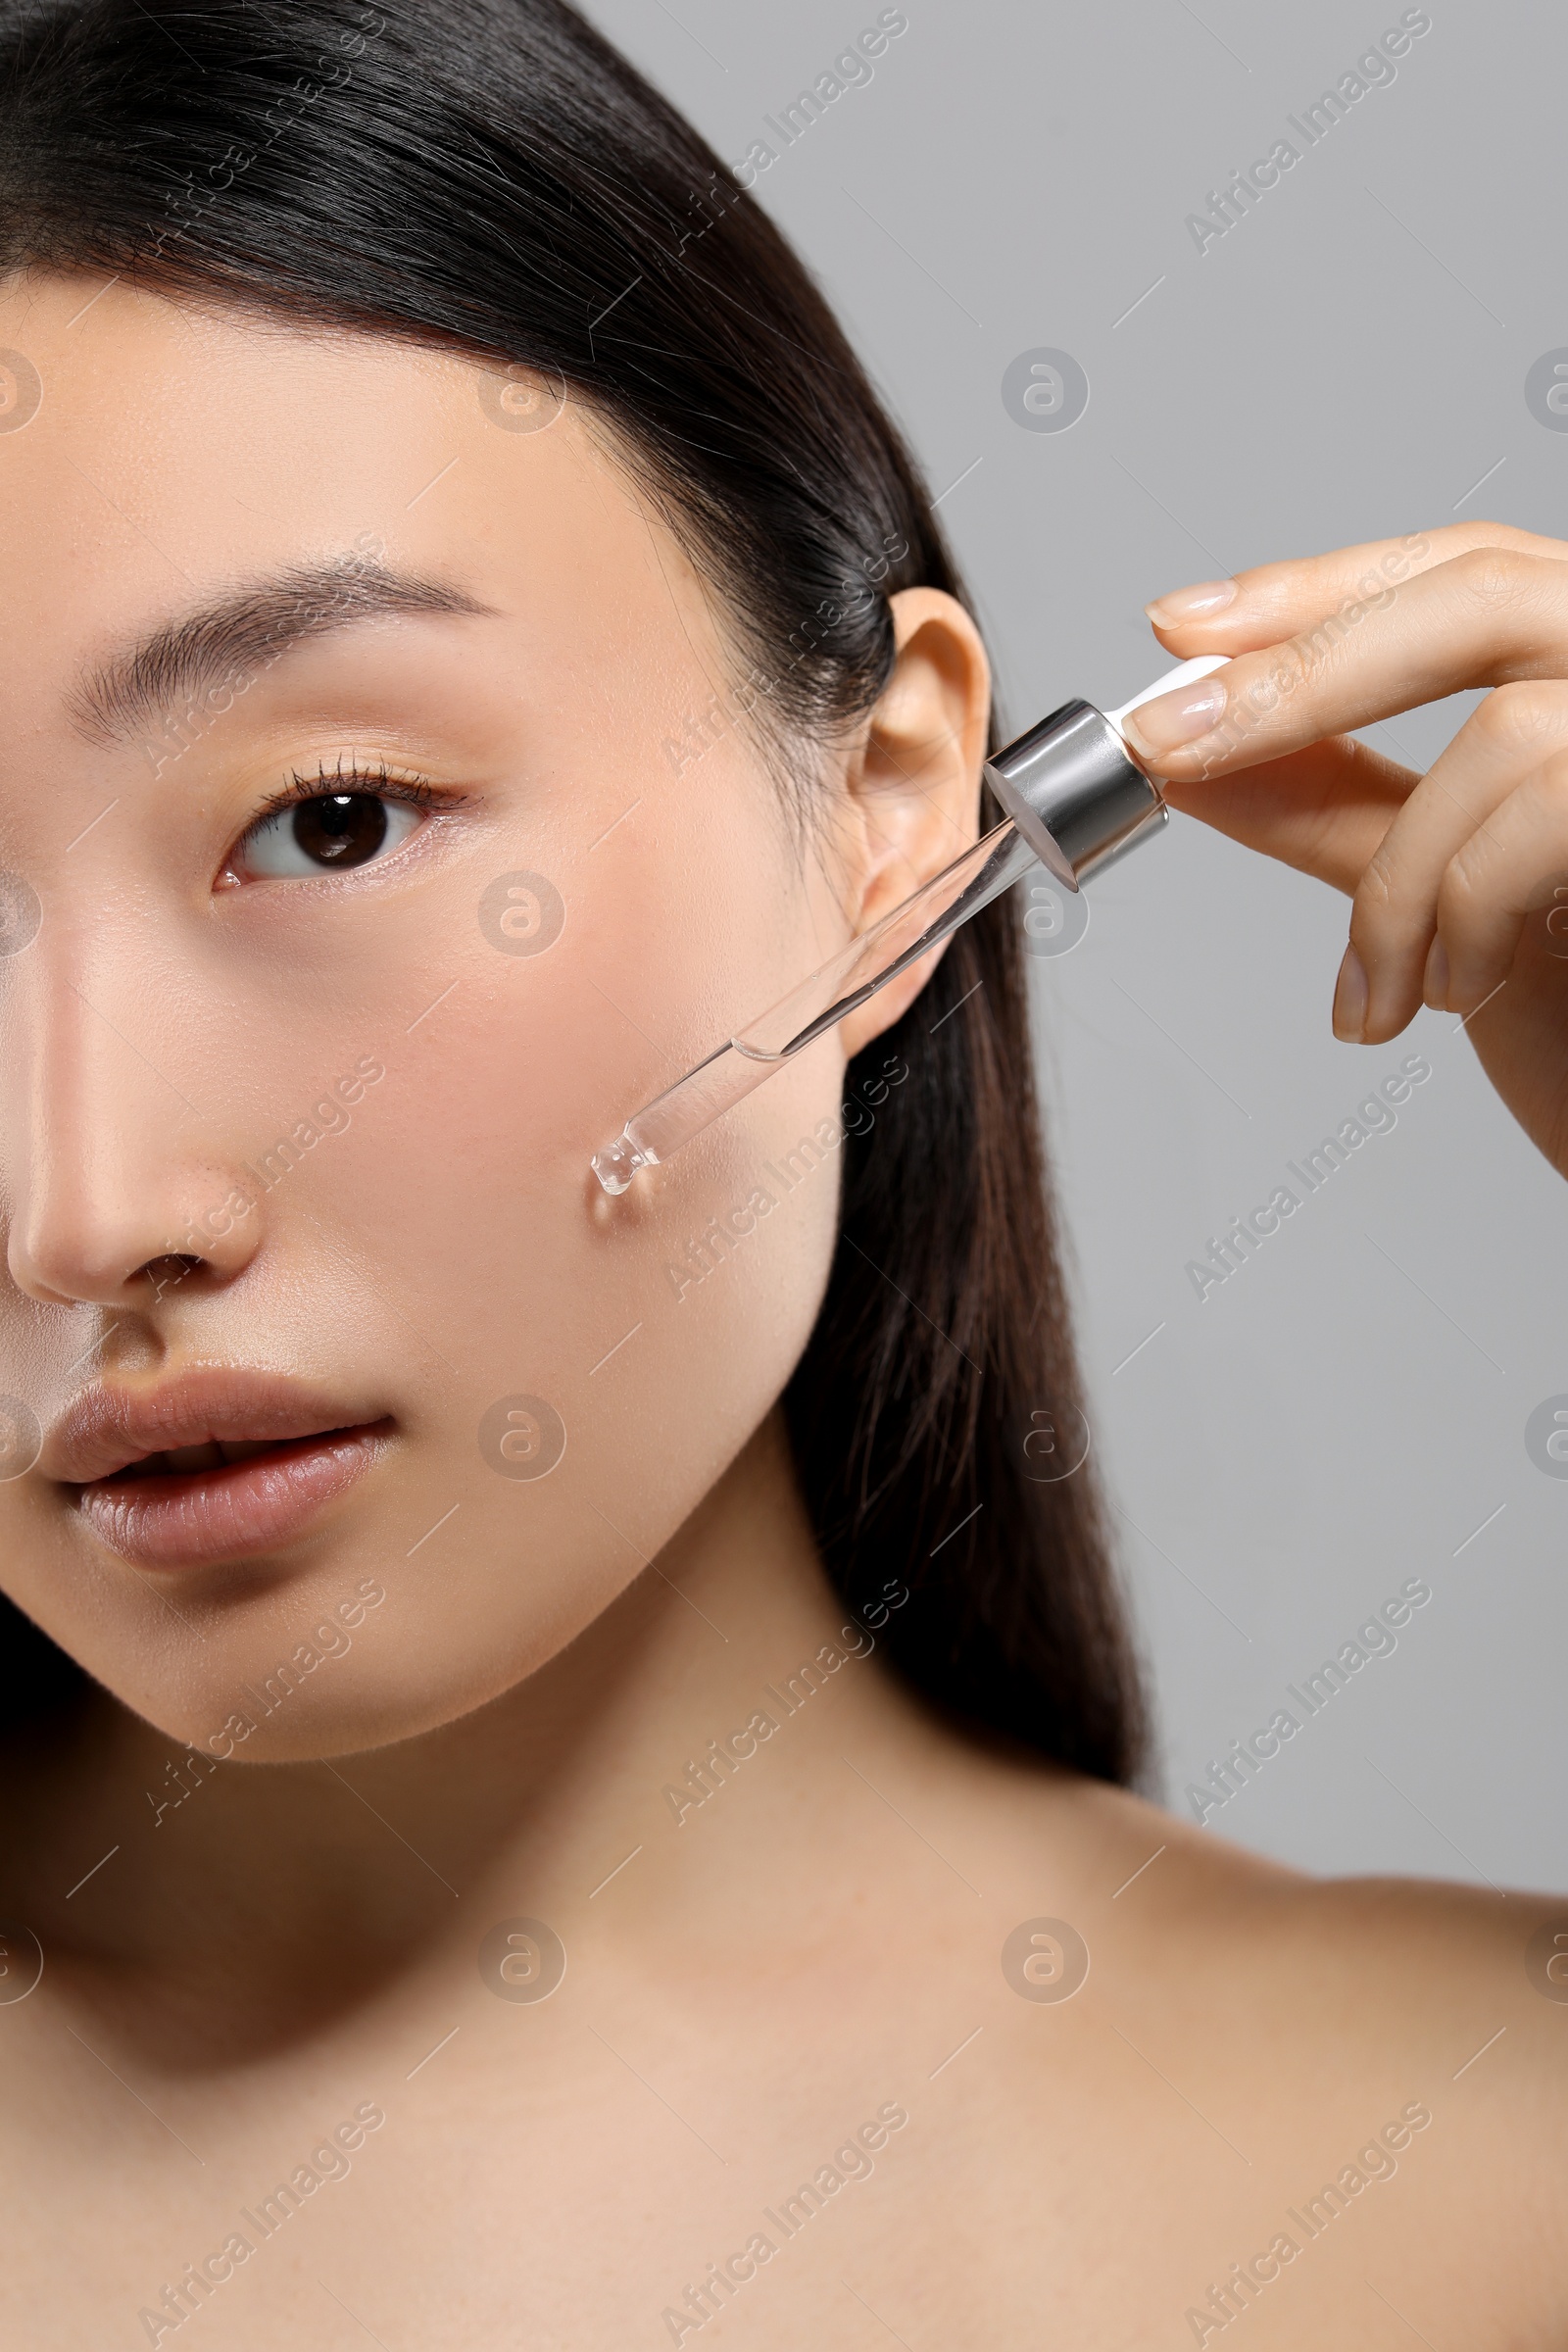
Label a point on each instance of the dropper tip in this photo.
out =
(617, 1164)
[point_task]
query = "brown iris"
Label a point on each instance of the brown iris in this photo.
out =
(341, 828)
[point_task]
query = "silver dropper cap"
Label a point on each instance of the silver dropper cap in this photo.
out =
(1074, 791)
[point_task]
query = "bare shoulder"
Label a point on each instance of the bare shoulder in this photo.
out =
(1358, 2000)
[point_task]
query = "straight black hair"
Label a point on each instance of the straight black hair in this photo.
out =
(491, 176)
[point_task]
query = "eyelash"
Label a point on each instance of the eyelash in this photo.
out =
(380, 783)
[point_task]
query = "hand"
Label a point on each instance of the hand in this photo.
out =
(1460, 878)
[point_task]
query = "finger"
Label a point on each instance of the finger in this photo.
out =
(1479, 619)
(1323, 810)
(1500, 876)
(1271, 601)
(1394, 918)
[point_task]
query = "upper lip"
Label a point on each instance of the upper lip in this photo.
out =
(109, 1428)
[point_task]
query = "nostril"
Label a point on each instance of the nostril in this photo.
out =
(168, 1272)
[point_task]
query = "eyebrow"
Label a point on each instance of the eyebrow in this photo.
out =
(231, 639)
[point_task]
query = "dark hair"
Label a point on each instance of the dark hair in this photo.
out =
(491, 176)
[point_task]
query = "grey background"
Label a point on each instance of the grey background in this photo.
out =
(1348, 362)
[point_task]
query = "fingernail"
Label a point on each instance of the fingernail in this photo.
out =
(1190, 604)
(1170, 720)
(1349, 1000)
(1435, 982)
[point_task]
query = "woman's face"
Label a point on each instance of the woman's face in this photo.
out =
(297, 1104)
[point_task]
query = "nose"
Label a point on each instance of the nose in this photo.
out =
(111, 1176)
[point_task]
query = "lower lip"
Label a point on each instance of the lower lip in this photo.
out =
(194, 1518)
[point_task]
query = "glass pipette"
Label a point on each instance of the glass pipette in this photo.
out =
(1075, 799)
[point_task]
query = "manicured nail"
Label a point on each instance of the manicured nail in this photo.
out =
(1190, 604)
(1349, 1000)
(1435, 983)
(1172, 720)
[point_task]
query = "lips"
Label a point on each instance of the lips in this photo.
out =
(214, 1465)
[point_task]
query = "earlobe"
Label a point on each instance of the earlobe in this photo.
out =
(915, 783)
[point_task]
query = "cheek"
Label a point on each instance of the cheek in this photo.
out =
(464, 1186)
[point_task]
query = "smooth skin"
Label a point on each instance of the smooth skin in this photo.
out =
(299, 1937)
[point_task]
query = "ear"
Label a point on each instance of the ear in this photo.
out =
(913, 782)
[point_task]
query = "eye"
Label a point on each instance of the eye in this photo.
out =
(328, 824)
(326, 833)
